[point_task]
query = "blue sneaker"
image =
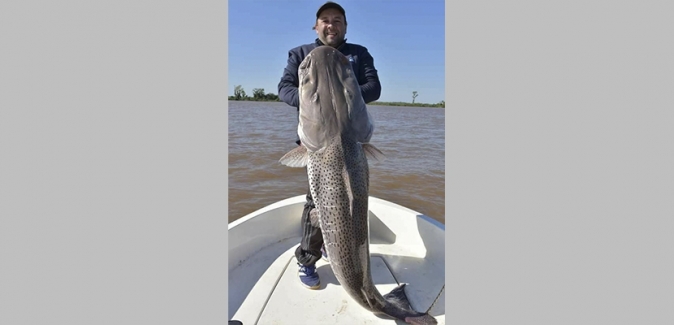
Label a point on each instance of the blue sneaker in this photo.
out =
(324, 254)
(309, 276)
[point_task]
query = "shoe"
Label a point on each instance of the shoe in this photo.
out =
(324, 254)
(309, 276)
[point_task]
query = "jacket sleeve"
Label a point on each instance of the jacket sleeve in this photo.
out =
(368, 79)
(287, 88)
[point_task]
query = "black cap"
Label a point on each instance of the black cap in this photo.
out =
(329, 5)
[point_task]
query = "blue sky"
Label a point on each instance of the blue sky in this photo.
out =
(406, 39)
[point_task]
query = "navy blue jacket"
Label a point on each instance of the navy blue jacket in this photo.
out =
(363, 68)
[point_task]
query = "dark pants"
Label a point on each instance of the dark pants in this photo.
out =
(309, 250)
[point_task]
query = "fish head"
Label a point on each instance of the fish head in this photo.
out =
(331, 103)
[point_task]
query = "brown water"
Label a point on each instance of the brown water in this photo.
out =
(412, 138)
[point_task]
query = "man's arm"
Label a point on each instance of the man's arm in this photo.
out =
(287, 88)
(371, 89)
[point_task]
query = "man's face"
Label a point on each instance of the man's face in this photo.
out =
(331, 27)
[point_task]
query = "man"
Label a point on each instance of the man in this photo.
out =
(330, 28)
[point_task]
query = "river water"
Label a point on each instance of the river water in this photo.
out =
(412, 138)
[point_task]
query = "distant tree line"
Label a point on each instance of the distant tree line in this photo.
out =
(440, 104)
(259, 95)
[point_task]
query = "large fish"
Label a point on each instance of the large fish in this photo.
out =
(334, 130)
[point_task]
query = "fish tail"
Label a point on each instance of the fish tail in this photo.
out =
(399, 306)
(398, 298)
(424, 319)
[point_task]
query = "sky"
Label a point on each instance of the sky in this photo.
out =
(405, 38)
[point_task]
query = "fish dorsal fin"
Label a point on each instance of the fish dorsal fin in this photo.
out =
(372, 153)
(297, 157)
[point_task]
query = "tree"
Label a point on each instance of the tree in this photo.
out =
(258, 93)
(414, 95)
(239, 93)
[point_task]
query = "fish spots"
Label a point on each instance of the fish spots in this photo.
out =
(338, 170)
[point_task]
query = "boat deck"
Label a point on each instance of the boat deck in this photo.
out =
(264, 287)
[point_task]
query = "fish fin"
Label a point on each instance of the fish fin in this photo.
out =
(424, 319)
(297, 157)
(398, 299)
(367, 299)
(372, 153)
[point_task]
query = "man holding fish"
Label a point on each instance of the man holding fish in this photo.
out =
(330, 27)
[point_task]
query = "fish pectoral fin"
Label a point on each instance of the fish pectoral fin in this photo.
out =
(372, 153)
(297, 157)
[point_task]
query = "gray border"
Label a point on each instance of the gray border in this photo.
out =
(113, 173)
(448, 208)
(226, 166)
(559, 162)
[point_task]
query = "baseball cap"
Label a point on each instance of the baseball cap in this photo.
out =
(329, 5)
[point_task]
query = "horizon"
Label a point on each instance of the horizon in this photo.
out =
(405, 40)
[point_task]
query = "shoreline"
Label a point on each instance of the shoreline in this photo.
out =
(375, 103)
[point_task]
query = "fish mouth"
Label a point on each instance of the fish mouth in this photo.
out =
(326, 71)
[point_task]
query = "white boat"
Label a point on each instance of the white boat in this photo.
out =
(405, 247)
